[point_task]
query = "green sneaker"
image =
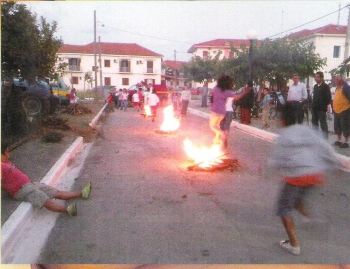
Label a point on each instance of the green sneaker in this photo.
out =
(86, 191)
(72, 209)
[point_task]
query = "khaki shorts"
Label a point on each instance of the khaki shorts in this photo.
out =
(35, 193)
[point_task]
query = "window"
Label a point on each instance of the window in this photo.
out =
(336, 52)
(125, 81)
(74, 64)
(75, 80)
(107, 81)
(149, 66)
(107, 63)
(124, 66)
(205, 54)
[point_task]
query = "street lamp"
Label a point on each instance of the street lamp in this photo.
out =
(252, 35)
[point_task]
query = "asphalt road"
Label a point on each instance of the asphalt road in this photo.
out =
(146, 208)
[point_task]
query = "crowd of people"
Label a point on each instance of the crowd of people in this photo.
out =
(301, 154)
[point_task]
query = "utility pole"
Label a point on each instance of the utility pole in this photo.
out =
(95, 58)
(347, 40)
(175, 69)
(99, 59)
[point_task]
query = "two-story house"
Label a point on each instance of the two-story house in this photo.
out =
(122, 64)
(329, 42)
(172, 75)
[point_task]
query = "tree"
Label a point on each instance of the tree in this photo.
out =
(202, 70)
(274, 60)
(343, 68)
(28, 48)
(88, 78)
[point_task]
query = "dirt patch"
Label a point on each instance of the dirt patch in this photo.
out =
(35, 157)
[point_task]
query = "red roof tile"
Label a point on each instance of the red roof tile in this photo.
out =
(172, 64)
(330, 29)
(219, 43)
(109, 48)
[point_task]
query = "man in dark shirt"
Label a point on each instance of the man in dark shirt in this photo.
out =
(321, 99)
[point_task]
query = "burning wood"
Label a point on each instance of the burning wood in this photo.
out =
(170, 123)
(225, 165)
(147, 111)
(209, 159)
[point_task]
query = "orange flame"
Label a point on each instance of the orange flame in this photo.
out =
(170, 123)
(148, 110)
(203, 156)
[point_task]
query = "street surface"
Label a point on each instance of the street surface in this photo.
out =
(147, 208)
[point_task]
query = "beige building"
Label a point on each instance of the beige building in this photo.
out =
(122, 64)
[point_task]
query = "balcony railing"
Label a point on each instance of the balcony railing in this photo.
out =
(124, 69)
(74, 68)
(149, 70)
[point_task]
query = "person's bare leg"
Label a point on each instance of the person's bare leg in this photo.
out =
(339, 137)
(300, 207)
(290, 229)
(54, 207)
(66, 195)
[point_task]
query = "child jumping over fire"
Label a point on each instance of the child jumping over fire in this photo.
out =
(20, 187)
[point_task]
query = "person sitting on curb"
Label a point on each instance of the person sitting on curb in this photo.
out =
(20, 187)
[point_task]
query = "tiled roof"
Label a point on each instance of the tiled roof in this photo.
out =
(219, 43)
(330, 29)
(171, 64)
(109, 48)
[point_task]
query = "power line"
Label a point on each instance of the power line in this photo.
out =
(155, 37)
(338, 10)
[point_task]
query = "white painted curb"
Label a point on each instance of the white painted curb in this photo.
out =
(268, 136)
(25, 210)
(97, 117)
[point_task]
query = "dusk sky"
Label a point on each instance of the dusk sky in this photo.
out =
(165, 26)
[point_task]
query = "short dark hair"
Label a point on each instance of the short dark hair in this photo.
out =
(320, 74)
(295, 75)
(225, 82)
(4, 146)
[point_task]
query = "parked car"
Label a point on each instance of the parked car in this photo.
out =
(196, 91)
(60, 89)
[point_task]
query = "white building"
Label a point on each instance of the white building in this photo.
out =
(329, 42)
(123, 64)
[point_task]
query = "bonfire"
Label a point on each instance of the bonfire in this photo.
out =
(170, 123)
(208, 159)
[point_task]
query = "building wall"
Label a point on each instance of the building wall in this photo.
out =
(324, 45)
(138, 70)
(212, 52)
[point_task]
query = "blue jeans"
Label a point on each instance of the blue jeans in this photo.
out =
(124, 104)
